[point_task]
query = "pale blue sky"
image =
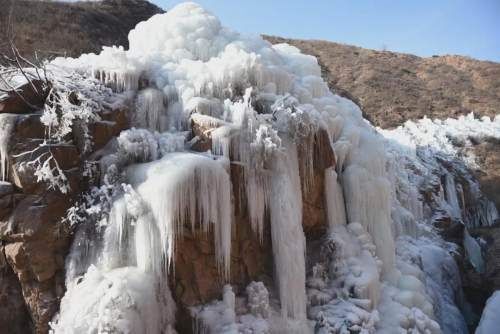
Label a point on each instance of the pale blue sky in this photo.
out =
(421, 27)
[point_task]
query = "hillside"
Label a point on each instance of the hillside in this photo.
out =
(393, 87)
(389, 87)
(56, 28)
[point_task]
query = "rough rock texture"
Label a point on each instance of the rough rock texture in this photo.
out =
(392, 88)
(13, 314)
(488, 158)
(197, 279)
(33, 239)
(28, 98)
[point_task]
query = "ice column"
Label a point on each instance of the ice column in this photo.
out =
(335, 206)
(286, 230)
(6, 127)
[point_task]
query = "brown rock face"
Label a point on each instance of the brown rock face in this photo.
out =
(28, 98)
(488, 157)
(197, 279)
(37, 242)
(34, 240)
(313, 194)
(13, 314)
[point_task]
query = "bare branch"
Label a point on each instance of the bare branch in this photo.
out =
(20, 67)
(13, 89)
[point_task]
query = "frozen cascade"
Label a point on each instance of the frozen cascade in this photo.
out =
(489, 320)
(444, 287)
(261, 106)
(287, 235)
(334, 198)
(184, 187)
(451, 196)
(368, 202)
(6, 127)
(473, 251)
(122, 300)
(151, 112)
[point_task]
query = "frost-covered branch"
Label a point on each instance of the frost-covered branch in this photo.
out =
(46, 169)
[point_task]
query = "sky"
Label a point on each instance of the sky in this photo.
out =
(421, 27)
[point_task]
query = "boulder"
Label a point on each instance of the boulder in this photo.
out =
(23, 173)
(37, 242)
(25, 99)
(14, 317)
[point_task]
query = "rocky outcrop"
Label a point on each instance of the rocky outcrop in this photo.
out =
(487, 155)
(196, 279)
(34, 238)
(26, 98)
(13, 313)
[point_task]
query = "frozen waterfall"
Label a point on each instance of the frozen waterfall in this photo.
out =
(259, 107)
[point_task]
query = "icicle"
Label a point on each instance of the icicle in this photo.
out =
(287, 235)
(335, 206)
(368, 202)
(192, 186)
(119, 80)
(490, 321)
(341, 149)
(6, 127)
(151, 111)
(451, 196)
(473, 251)
(443, 284)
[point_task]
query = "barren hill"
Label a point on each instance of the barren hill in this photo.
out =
(393, 87)
(53, 28)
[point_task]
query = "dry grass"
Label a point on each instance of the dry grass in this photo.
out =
(55, 28)
(394, 87)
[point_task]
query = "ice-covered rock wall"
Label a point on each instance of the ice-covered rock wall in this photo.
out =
(262, 107)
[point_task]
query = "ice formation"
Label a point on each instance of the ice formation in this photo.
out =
(489, 320)
(122, 300)
(286, 225)
(262, 106)
(181, 189)
(6, 127)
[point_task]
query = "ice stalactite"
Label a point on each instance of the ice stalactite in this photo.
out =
(444, 286)
(118, 79)
(186, 188)
(334, 198)
(451, 196)
(489, 319)
(6, 127)
(151, 112)
(368, 202)
(473, 252)
(287, 234)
